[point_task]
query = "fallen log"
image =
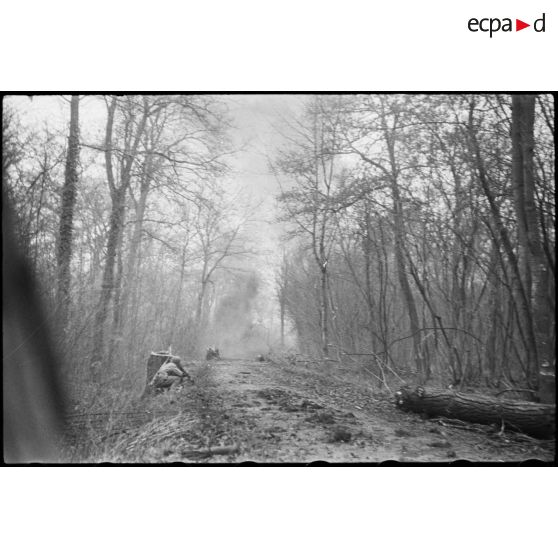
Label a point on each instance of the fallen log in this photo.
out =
(534, 419)
(208, 452)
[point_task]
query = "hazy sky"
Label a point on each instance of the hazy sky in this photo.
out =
(258, 127)
(258, 123)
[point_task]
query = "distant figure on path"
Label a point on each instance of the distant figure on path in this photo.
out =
(212, 353)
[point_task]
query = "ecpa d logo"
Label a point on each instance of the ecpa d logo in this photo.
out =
(492, 25)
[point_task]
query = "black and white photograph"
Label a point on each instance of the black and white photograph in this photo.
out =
(278, 278)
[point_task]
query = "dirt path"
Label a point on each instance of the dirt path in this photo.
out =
(269, 413)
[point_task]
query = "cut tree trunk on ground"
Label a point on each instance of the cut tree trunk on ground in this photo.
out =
(534, 419)
(207, 452)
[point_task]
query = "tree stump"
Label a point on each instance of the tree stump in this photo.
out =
(154, 362)
(534, 419)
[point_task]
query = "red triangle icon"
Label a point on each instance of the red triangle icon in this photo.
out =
(519, 25)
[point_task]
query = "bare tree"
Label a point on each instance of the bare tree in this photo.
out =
(69, 192)
(319, 191)
(133, 131)
(536, 272)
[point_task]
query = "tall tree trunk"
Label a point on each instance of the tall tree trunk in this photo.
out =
(282, 316)
(118, 195)
(108, 273)
(383, 304)
(522, 304)
(69, 192)
(494, 309)
(129, 277)
(399, 245)
(400, 251)
(518, 187)
(538, 264)
(324, 333)
(320, 253)
(404, 282)
(174, 340)
(107, 285)
(282, 293)
(369, 294)
(201, 306)
(116, 336)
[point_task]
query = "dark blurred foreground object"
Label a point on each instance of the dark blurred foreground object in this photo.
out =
(547, 385)
(534, 419)
(212, 353)
(32, 399)
(164, 371)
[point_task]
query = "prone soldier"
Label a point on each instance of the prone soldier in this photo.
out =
(170, 375)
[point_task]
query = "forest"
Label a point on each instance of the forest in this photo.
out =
(383, 239)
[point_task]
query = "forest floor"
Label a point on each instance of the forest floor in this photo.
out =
(264, 412)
